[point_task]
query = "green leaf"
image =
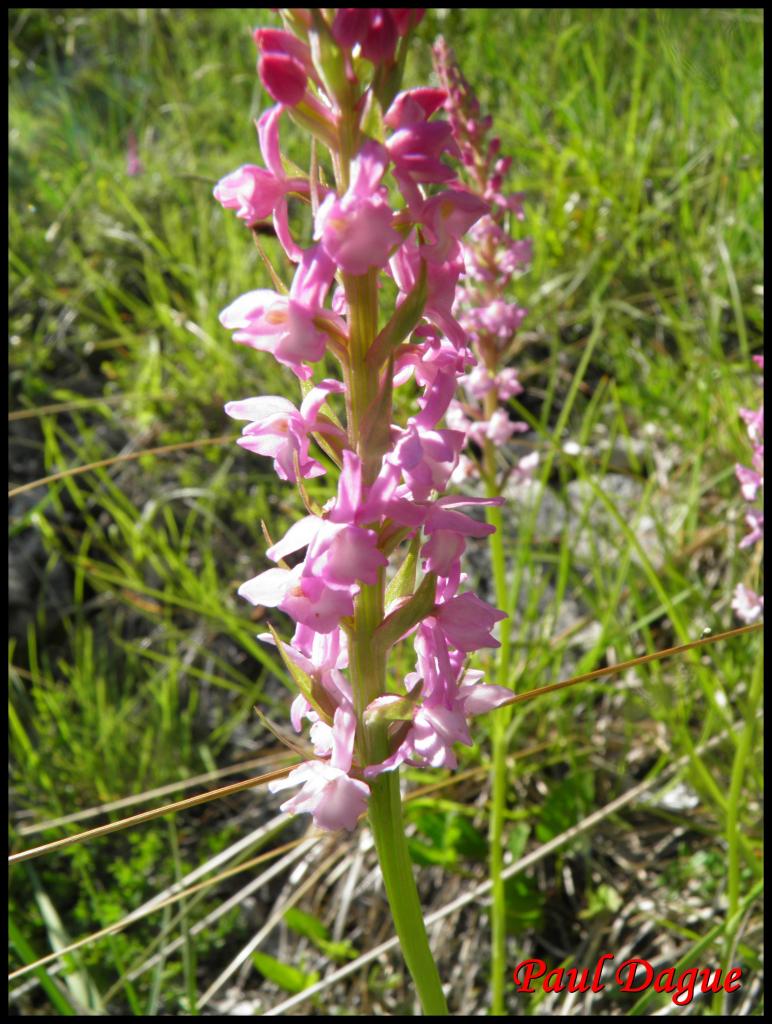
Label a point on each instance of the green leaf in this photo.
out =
(77, 979)
(604, 898)
(402, 322)
(306, 924)
(301, 679)
(318, 933)
(51, 987)
(328, 60)
(375, 433)
(404, 579)
(291, 979)
(410, 614)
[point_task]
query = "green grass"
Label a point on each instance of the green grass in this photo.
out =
(636, 137)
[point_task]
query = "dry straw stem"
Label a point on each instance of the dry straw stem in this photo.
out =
(513, 869)
(139, 798)
(179, 890)
(158, 903)
(164, 449)
(177, 894)
(78, 403)
(236, 787)
(138, 819)
(300, 849)
(277, 915)
(622, 666)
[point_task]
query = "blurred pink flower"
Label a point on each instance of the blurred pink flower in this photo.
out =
(133, 163)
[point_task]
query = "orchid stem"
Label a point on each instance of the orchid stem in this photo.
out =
(734, 807)
(368, 677)
(397, 869)
(500, 723)
(367, 665)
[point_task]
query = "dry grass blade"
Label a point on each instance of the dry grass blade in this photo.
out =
(623, 666)
(138, 798)
(281, 772)
(481, 890)
(270, 924)
(302, 847)
(164, 449)
(138, 819)
(157, 903)
(77, 403)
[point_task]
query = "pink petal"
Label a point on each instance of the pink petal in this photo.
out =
(271, 587)
(260, 408)
(298, 536)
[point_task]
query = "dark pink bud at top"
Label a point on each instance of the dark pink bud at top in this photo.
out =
(284, 65)
(372, 27)
(381, 39)
(350, 25)
(406, 18)
(284, 78)
(276, 40)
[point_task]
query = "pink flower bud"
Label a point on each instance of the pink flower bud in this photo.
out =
(406, 18)
(372, 27)
(283, 77)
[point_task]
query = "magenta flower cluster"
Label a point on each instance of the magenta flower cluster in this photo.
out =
(396, 217)
(749, 605)
(491, 257)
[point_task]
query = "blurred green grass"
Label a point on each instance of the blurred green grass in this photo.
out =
(636, 137)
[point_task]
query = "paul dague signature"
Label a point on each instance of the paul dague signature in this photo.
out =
(633, 975)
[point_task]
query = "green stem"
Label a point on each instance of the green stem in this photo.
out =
(499, 726)
(362, 378)
(367, 664)
(367, 668)
(733, 806)
(389, 834)
(496, 839)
